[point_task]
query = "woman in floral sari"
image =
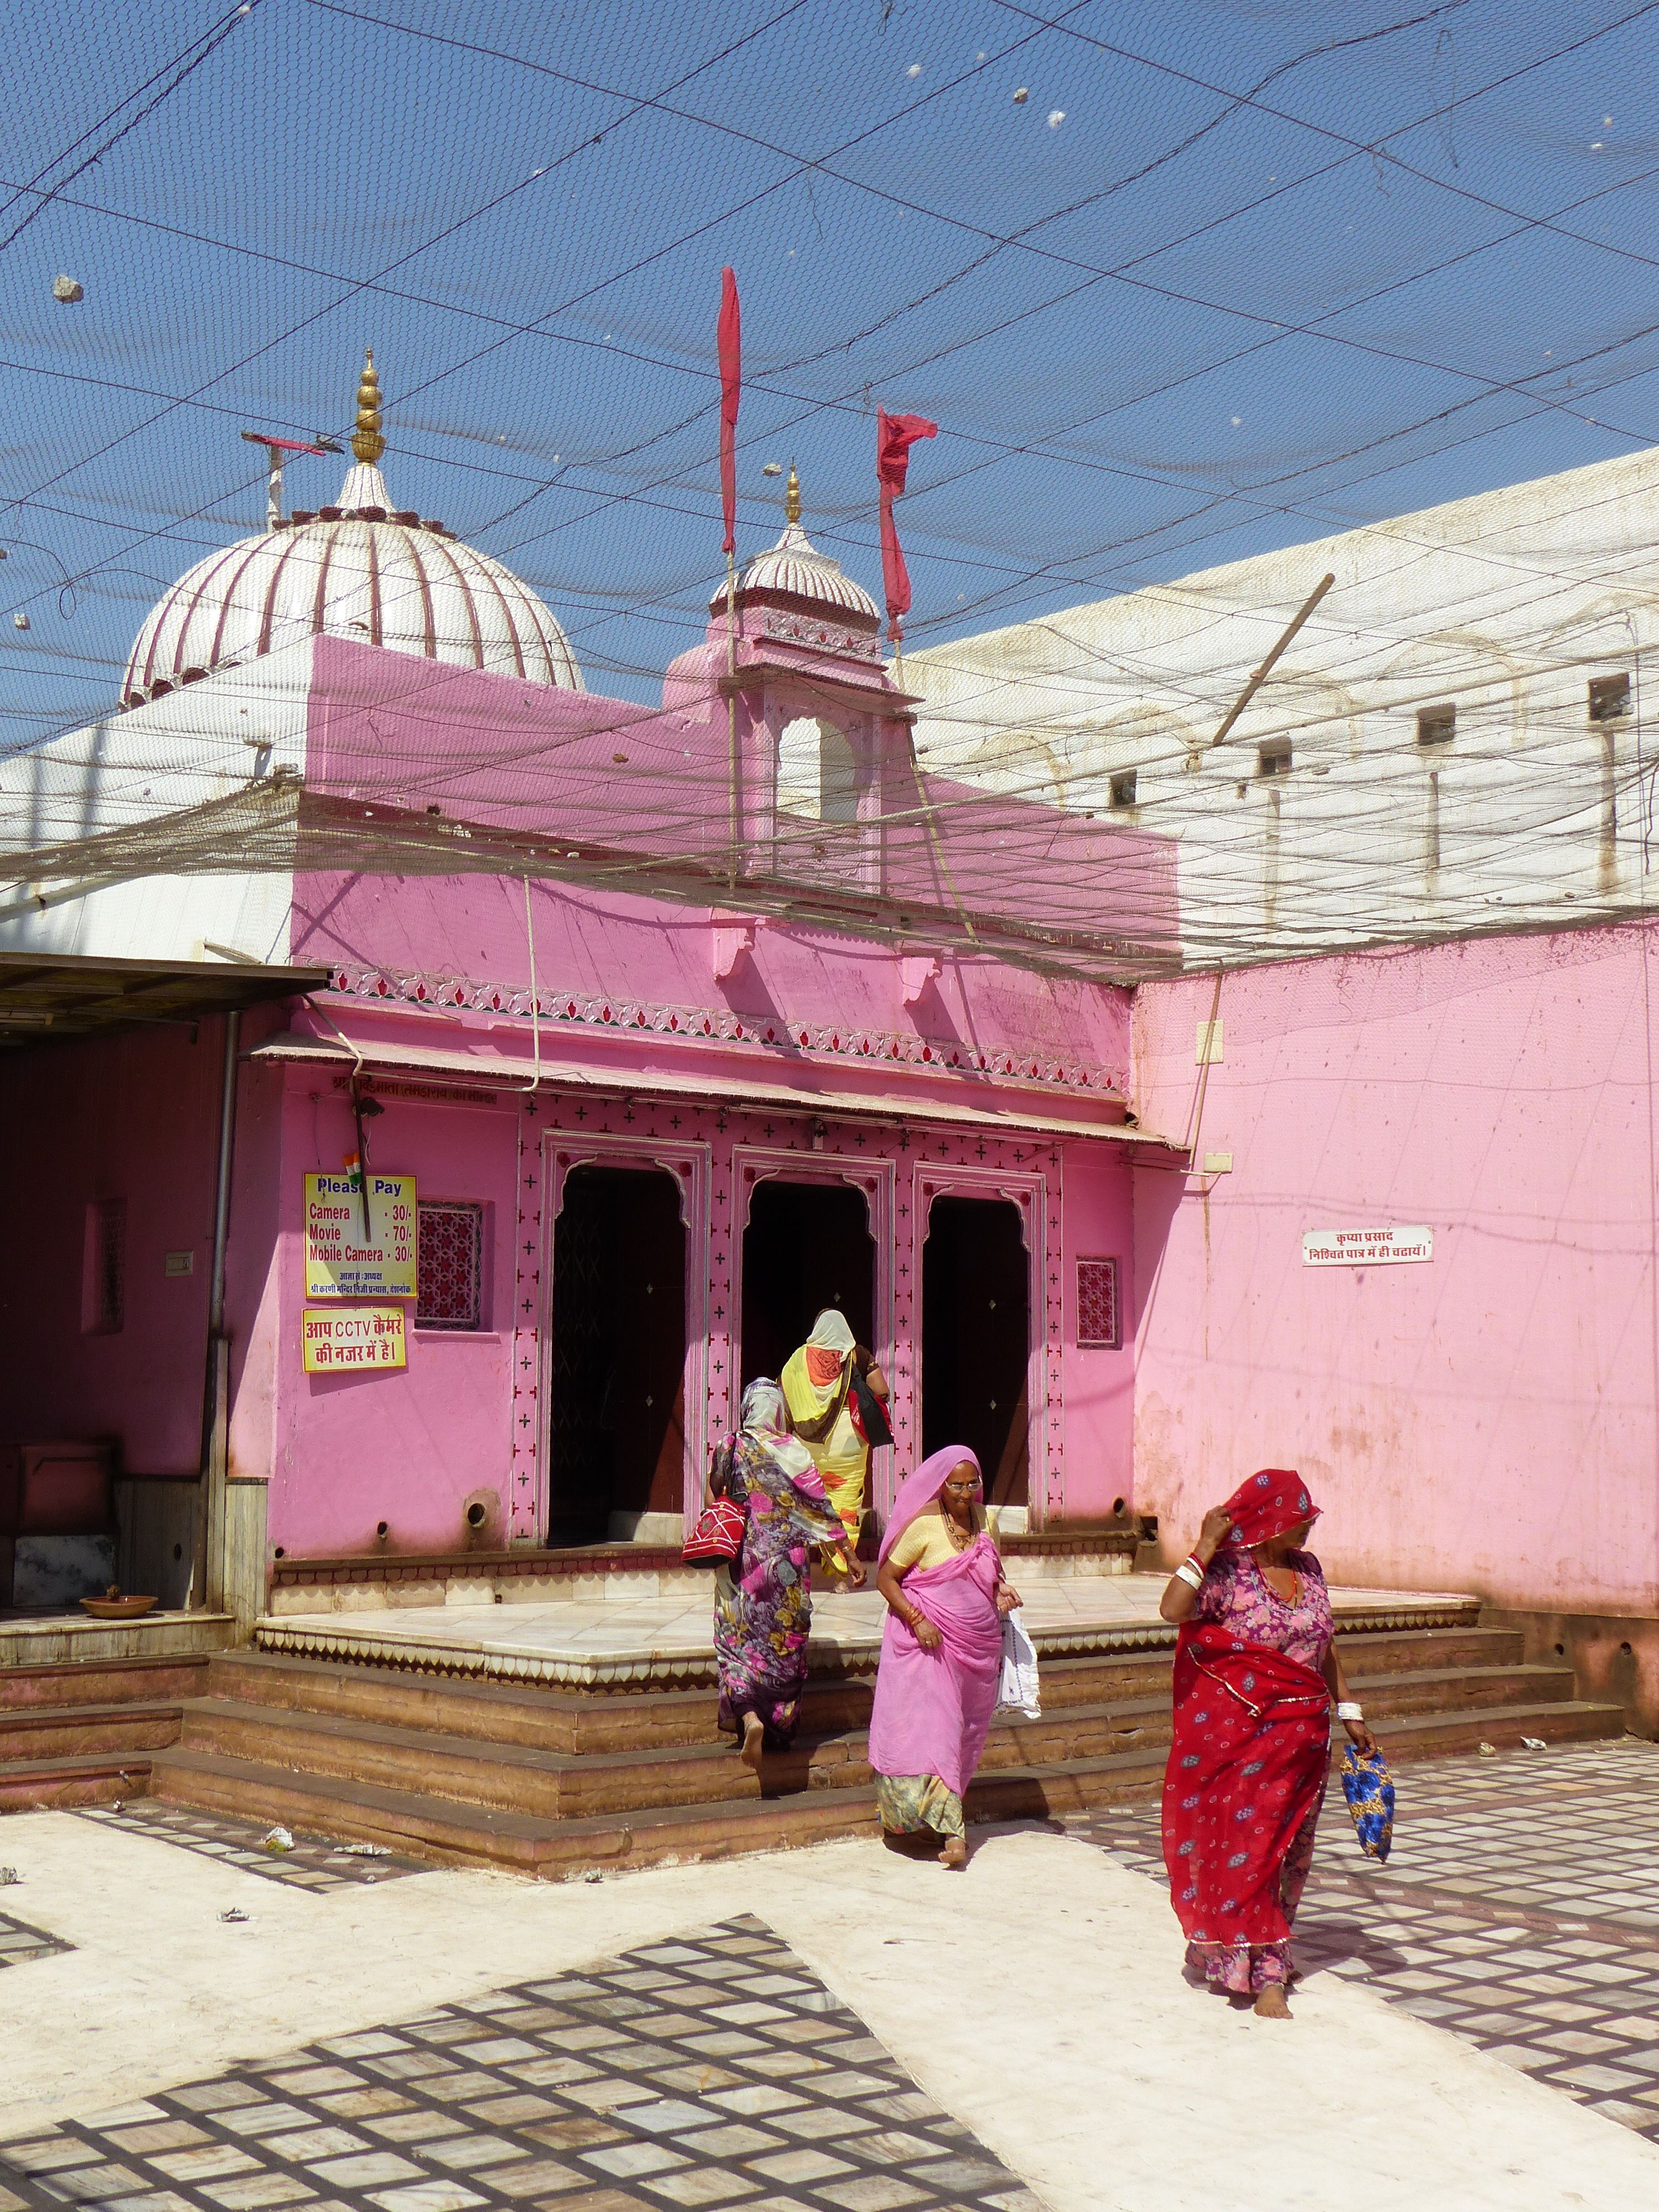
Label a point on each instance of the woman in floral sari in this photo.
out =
(1255, 1676)
(762, 1599)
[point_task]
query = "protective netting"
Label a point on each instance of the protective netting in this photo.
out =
(1227, 278)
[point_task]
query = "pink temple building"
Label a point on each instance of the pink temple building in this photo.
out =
(683, 1022)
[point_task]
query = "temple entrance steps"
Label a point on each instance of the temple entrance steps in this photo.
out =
(83, 1733)
(84, 1704)
(559, 1782)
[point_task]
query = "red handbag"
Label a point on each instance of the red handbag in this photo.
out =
(717, 1540)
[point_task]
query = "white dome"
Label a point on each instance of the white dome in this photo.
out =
(795, 567)
(795, 574)
(361, 571)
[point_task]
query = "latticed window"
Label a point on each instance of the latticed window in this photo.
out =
(1097, 1318)
(104, 1268)
(449, 1279)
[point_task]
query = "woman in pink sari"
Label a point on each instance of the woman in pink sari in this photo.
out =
(941, 1651)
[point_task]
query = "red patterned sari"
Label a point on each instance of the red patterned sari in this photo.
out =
(1246, 1777)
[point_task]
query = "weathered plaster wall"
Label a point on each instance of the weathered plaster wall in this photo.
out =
(350, 1451)
(1485, 1421)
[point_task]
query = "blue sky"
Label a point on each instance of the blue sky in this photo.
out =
(1250, 287)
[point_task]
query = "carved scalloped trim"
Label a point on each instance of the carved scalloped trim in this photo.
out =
(716, 1024)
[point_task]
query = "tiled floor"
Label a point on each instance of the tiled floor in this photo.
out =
(308, 1863)
(714, 2070)
(1520, 1908)
(18, 1942)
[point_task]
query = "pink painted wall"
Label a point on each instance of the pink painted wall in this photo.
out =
(1098, 1386)
(348, 1451)
(635, 950)
(1485, 1421)
(136, 1118)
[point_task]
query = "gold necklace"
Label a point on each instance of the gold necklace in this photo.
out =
(959, 1543)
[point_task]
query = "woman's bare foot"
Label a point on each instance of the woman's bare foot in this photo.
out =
(1271, 2005)
(955, 1854)
(753, 1736)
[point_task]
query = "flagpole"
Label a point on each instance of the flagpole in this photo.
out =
(732, 713)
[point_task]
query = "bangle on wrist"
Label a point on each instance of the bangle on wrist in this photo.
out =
(1348, 1711)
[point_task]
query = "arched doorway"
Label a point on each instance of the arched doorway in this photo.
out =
(617, 1399)
(806, 1246)
(976, 1339)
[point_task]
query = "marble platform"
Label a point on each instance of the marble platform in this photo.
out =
(52, 1639)
(635, 1639)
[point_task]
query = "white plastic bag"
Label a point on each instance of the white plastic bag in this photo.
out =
(1018, 1693)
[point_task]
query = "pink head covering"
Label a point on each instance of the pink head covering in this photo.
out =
(918, 1490)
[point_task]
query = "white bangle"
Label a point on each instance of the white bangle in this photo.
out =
(1347, 1712)
(1189, 1573)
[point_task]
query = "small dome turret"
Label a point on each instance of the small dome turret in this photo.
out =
(794, 575)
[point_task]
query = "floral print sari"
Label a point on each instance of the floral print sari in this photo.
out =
(763, 1599)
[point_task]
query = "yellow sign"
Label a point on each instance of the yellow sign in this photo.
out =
(340, 1262)
(338, 1339)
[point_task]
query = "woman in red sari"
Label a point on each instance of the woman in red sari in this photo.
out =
(1255, 1676)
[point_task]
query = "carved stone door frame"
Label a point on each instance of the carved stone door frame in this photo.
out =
(1029, 1193)
(754, 1165)
(562, 1151)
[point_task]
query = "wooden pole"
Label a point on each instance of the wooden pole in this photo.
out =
(1267, 667)
(732, 715)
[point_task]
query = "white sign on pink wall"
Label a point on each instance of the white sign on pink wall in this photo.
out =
(1366, 1248)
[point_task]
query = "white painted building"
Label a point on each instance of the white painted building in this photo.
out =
(1456, 741)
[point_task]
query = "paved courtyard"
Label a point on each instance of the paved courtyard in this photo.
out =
(1519, 1909)
(193, 2024)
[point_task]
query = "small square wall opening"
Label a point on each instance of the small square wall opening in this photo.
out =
(1609, 698)
(1274, 758)
(1123, 787)
(1436, 726)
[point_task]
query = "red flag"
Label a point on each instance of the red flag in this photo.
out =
(731, 350)
(895, 435)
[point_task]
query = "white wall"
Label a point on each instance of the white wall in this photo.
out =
(1504, 606)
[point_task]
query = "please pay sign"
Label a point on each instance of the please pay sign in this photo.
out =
(1366, 1248)
(341, 1262)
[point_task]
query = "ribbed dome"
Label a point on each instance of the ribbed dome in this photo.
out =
(793, 573)
(795, 568)
(359, 570)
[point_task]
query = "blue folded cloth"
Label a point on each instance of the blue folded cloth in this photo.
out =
(1368, 1786)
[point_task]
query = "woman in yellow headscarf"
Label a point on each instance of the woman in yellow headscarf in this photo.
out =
(817, 1387)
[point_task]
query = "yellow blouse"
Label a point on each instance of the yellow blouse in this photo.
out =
(925, 1542)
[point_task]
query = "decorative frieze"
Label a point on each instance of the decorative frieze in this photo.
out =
(719, 1024)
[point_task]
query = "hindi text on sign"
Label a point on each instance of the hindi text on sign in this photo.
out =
(345, 1339)
(1366, 1248)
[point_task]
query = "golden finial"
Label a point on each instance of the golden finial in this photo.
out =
(367, 442)
(791, 496)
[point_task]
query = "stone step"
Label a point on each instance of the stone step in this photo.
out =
(721, 1828)
(358, 1811)
(1405, 1650)
(35, 1785)
(71, 1731)
(476, 1767)
(102, 1682)
(576, 1721)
